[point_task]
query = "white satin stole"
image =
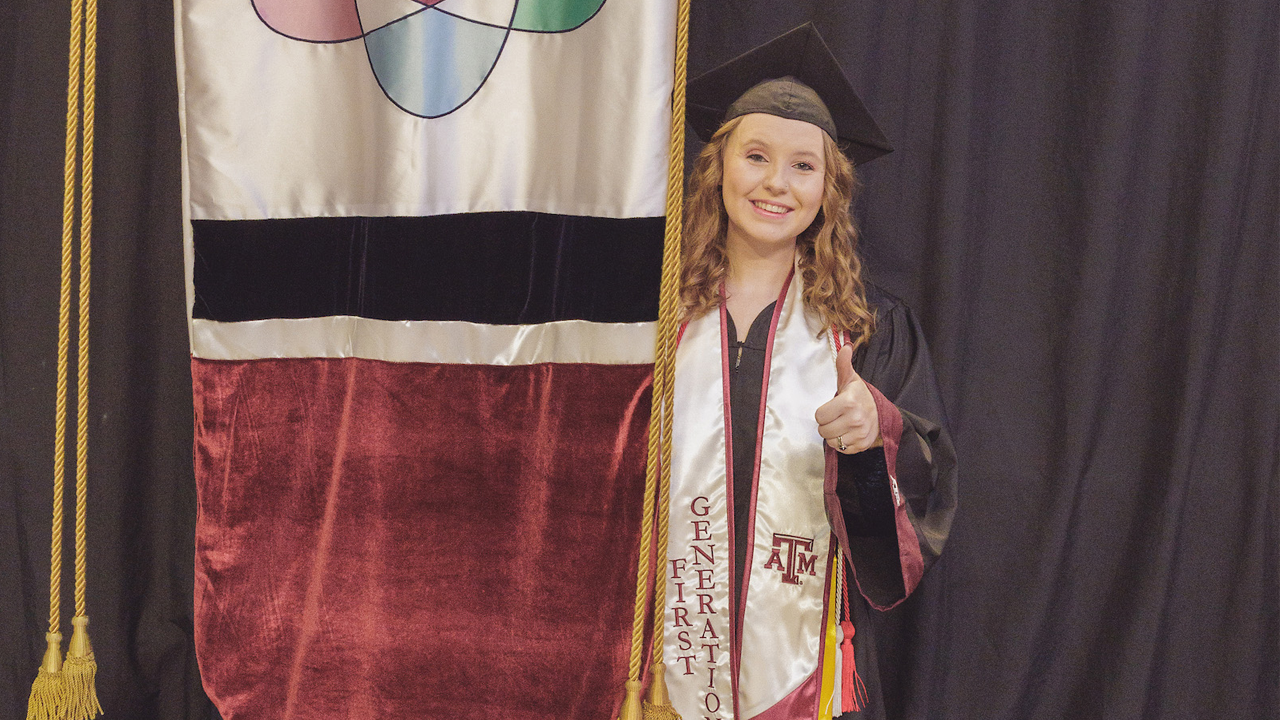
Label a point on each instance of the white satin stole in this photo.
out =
(786, 615)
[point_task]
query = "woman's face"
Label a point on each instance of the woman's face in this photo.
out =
(773, 182)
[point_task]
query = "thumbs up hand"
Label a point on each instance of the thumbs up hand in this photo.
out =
(849, 421)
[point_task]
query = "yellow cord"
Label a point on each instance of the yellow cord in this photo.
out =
(657, 465)
(82, 350)
(48, 697)
(64, 309)
(66, 691)
(668, 314)
(81, 668)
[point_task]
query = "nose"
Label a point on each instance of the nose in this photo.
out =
(775, 181)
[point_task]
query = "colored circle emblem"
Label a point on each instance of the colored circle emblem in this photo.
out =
(429, 56)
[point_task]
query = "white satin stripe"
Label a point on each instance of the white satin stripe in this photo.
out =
(566, 341)
(697, 618)
(572, 123)
(784, 624)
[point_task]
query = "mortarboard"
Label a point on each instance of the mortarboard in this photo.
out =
(792, 76)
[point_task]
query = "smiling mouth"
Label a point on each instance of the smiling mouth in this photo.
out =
(770, 207)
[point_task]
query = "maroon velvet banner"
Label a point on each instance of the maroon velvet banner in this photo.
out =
(408, 540)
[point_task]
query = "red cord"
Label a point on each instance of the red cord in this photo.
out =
(853, 693)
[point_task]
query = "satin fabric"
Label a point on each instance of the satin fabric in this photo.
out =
(698, 613)
(276, 127)
(776, 658)
(567, 341)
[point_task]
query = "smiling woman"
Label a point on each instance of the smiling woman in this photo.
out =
(773, 183)
(800, 484)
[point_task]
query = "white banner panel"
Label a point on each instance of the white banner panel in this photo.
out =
(309, 108)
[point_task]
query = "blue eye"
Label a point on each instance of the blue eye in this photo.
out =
(805, 167)
(756, 157)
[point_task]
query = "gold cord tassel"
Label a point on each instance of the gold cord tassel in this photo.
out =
(79, 673)
(657, 704)
(48, 692)
(631, 705)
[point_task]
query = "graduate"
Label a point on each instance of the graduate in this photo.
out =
(812, 473)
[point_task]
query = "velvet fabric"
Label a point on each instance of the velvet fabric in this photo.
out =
(395, 540)
(499, 268)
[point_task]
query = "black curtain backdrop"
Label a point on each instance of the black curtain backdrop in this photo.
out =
(1083, 211)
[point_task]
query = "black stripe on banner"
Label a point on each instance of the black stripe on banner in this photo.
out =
(495, 268)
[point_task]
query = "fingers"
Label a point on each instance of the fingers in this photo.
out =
(853, 398)
(849, 419)
(842, 415)
(845, 373)
(853, 443)
(856, 440)
(856, 433)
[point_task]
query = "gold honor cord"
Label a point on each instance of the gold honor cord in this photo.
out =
(66, 690)
(657, 705)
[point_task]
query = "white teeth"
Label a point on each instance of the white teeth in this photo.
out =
(768, 206)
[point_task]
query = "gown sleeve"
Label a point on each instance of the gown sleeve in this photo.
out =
(891, 507)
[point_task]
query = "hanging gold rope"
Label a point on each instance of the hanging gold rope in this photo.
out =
(48, 691)
(65, 691)
(657, 466)
(80, 669)
(657, 704)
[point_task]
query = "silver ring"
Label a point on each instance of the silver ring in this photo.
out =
(840, 439)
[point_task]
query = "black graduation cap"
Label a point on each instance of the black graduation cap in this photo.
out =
(792, 76)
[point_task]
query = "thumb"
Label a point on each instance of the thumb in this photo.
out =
(844, 367)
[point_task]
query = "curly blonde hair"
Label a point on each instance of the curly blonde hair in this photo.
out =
(827, 250)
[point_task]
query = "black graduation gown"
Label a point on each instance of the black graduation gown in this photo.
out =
(896, 362)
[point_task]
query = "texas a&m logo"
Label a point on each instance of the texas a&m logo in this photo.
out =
(798, 562)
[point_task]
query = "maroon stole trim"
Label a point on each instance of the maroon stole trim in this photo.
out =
(735, 625)
(908, 544)
(909, 556)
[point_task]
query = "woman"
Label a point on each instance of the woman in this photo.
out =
(774, 479)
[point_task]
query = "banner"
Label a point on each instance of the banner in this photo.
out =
(423, 245)
(571, 121)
